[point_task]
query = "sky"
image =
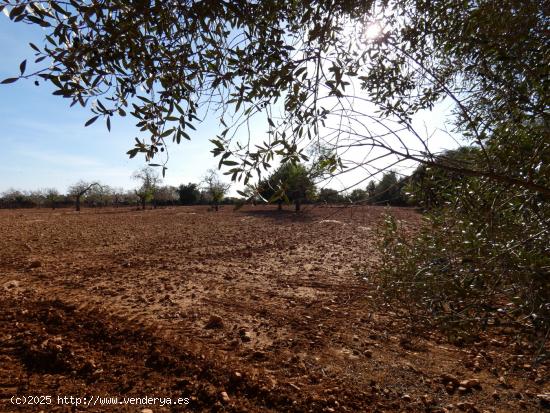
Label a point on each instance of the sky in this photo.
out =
(44, 143)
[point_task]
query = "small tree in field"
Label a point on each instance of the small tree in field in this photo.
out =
(188, 194)
(330, 196)
(388, 191)
(79, 189)
(166, 195)
(99, 196)
(215, 189)
(130, 197)
(291, 182)
(150, 180)
(358, 195)
(52, 196)
(117, 196)
(37, 197)
(371, 190)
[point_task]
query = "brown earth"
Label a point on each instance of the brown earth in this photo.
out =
(248, 310)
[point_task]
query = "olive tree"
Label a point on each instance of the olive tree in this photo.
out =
(215, 190)
(149, 183)
(99, 196)
(480, 245)
(79, 189)
(166, 195)
(117, 196)
(188, 194)
(52, 196)
(291, 182)
(330, 196)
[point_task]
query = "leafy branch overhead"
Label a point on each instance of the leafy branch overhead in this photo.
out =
(340, 83)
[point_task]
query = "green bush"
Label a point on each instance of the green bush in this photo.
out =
(481, 260)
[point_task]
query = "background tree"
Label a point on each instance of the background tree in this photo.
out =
(37, 198)
(188, 194)
(291, 182)
(358, 195)
(371, 189)
(166, 195)
(99, 196)
(149, 180)
(330, 196)
(131, 198)
(389, 191)
(215, 189)
(433, 188)
(117, 196)
(78, 190)
(52, 197)
(13, 198)
(267, 191)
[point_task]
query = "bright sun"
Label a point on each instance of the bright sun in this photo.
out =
(372, 30)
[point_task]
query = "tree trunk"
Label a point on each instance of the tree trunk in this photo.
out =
(297, 203)
(280, 205)
(143, 203)
(78, 203)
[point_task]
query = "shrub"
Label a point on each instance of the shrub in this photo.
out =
(481, 260)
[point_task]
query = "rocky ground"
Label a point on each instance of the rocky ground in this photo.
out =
(235, 311)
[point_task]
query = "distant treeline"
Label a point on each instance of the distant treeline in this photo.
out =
(390, 190)
(105, 196)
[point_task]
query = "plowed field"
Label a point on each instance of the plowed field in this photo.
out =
(234, 311)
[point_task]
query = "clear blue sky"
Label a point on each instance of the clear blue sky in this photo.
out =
(44, 142)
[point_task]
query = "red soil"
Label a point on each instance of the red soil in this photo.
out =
(248, 310)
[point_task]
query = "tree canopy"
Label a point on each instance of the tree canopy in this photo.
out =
(323, 60)
(189, 194)
(150, 181)
(388, 191)
(79, 189)
(214, 188)
(291, 182)
(330, 196)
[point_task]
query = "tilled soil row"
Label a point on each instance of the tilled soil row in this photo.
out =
(251, 310)
(50, 345)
